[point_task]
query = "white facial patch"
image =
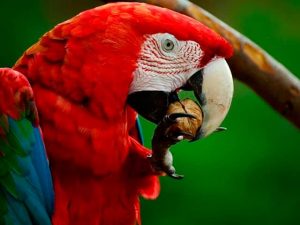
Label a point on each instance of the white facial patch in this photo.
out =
(165, 63)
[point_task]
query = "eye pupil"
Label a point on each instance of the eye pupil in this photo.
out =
(168, 45)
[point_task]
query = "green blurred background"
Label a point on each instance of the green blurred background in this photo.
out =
(248, 175)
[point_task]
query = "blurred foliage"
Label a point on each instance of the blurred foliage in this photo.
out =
(248, 175)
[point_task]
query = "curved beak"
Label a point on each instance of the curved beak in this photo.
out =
(213, 87)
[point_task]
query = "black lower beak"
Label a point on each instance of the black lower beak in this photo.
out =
(152, 105)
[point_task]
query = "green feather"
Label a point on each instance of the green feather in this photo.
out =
(8, 183)
(12, 163)
(3, 205)
(4, 167)
(9, 161)
(15, 144)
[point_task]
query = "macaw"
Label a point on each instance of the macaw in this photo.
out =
(76, 94)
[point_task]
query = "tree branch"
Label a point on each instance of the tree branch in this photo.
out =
(250, 64)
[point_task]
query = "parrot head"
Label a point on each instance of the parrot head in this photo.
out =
(179, 53)
(145, 55)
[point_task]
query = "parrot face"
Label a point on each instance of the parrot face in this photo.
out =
(167, 65)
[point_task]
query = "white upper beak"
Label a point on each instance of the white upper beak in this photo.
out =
(217, 89)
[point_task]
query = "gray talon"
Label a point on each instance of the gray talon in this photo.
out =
(172, 173)
(221, 129)
(176, 176)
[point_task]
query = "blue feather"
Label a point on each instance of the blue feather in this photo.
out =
(17, 212)
(43, 171)
(32, 201)
(35, 197)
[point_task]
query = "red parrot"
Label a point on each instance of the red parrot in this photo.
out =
(90, 76)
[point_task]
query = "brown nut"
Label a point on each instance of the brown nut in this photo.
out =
(189, 126)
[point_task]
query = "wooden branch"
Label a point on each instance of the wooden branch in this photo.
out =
(250, 64)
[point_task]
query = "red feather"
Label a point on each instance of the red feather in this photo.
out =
(81, 72)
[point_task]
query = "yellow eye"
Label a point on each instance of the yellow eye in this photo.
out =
(168, 45)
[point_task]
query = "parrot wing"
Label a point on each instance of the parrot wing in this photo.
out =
(26, 192)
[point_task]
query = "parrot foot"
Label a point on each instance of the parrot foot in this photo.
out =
(161, 158)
